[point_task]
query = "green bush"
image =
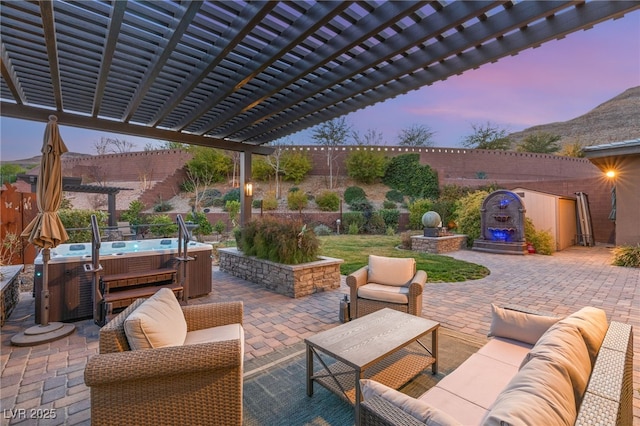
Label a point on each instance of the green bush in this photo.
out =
(297, 200)
(296, 165)
(353, 218)
(269, 202)
(232, 195)
(209, 196)
(416, 210)
(256, 204)
(386, 204)
(395, 196)
(75, 218)
(162, 225)
(322, 229)
(391, 217)
(375, 224)
(361, 205)
(162, 206)
(328, 201)
(353, 229)
(278, 240)
(405, 174)
(468, 215)
(353, 193)
(199, 218)
(541, 240)
(366, 166)
(627, 256)
(233, 208)
(133, 214)
(219, 226)
(217, 202)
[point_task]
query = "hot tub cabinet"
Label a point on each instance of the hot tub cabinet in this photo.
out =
(71, 285)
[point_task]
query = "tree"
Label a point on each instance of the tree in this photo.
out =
(113, 145)
(488, 136)
(370, 138)
(332, 134)
(540, 142)
(366, 166)
(206, 167)
(9, 172)
(573, 149)
(416, 135)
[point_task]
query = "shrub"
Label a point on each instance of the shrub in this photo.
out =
(375, 224)
(391, 231)
(353, 193)
(627, 256)
(217, 202)
(353, 229)
(233, 208)
(209, 196)
(219, 226)
(294, 189)
(391, 217)
(162, 225)
(468, 215)
(541, 240)
(269, 202)
(296, 165)
(162, 206)
(366, 166)
(75, 218)
(297, 200)
(386, 204)
(405, 240)
(322, 230)
(416, 210)
(232, 195)
(405, 174)
(278, 240)
(328, 201)
(256, 204)
(361, 205)
(395, 196)
(353, 218)
(199, 218)
(133, 214)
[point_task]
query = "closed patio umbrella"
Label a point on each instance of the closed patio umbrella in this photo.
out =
(47, 231)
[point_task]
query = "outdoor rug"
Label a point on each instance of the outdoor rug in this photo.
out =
(275, 390)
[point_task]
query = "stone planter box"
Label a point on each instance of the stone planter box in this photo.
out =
(437, 245)
(290, 280)
(9, 290)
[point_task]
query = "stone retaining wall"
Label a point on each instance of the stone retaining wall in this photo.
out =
(9, 291)
(438, 245)
(290, 280)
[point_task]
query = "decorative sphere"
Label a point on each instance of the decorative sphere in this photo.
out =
(431, 220)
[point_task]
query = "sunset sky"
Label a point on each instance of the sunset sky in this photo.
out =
(558, 81)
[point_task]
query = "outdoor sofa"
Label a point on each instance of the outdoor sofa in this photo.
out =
(186, 366)
(535, 370)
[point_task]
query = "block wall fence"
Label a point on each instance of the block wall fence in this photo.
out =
(465, 167)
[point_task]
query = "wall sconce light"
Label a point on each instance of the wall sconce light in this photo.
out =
(611, 174)
(248, 189)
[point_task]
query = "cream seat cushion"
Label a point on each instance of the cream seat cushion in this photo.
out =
(384, 293)
(527, 328)
(393, 271)
(156, 323)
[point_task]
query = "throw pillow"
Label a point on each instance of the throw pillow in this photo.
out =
(539, 394)
(396, 271)
(427, 414)
(527, 328)
(563, 344)
(593, 325)
(156, 323)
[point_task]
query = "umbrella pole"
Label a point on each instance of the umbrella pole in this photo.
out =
(44, 332)
(44, 295)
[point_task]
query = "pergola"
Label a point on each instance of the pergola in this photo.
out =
(236, 75)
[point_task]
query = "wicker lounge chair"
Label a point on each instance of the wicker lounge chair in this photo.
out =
(191, 384)
(386, 282)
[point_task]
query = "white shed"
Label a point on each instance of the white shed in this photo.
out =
(553, 213)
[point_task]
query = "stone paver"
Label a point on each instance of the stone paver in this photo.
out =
(49, 376)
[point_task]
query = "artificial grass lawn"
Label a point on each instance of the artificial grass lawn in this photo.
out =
(355, 251)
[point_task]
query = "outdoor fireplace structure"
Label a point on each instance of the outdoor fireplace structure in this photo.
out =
(502, 224)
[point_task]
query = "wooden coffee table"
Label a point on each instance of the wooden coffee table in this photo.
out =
(375, 346)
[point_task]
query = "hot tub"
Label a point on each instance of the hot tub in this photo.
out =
(70, 283)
